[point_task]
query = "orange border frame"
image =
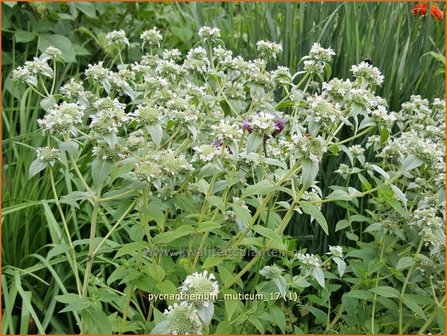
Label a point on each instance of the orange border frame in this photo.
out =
(1, 120)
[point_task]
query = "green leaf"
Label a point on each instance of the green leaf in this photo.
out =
(75, 304)
(131, 248)
(263, 187)
(208, 226)
(156, 272)
(413, 305)
(317, 215)
(47, 103)
(231, 305)
(281, 283)
(309, 172)
(87, 8)
(404, 262)
(342, 224)
(254, 140)
(278, 317)
(167, 287)
(60, 42)
(386, 291)
(212, 261)
(341, 265)
(156, 133)
(96, 321)
(101, 170)
(411, 162)
(167, 237)
(22, 36)
(121, 168)
(255, 321)
(339, 195)
(154, 211)
(75, 196)
(36, 167)
(318, 274)
(399, 194)
(441, 320)
(185, 203)
(71, 147)
(359, 294)
(380, 171)
(267, 232)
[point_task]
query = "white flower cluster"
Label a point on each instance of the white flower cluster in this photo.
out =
(110, 116)
(314, 64)
(30, 72)
(336, 251)
(182, 320)
(309, 147)
(200, 291)
(117, 38)
(271, 272)
(268, 50)
(47, 154)
(318, 53)
(209, 33)
(367, 74)
(61, 118)
(309, 262)
(200, 288)
(152, 37)
(205, 153)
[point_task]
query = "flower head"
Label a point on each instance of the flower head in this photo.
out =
(271, 272)
(47, 154)
(267, 49)
(183, 320)
(135, 141)
(209, 33)
(206, 153)
(368, 73)
(147, 115)
(435, 12)
(147, 170)
(117, 38)
(336, 251)
(419, 9)
(97, 72)
(103, 151)
(310, 147)
(54, 53)
(151, 37)
(200, 288)
(172, 165)
(317, 52)
(61, 118)
(308, 261)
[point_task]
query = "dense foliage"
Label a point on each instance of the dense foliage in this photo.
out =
(191, 190)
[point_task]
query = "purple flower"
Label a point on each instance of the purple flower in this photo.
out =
(279, 126)
(218, 143)
(247, 126)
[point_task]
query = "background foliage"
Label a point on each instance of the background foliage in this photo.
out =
(407, 50)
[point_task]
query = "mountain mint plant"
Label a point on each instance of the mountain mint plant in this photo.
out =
(189, 172)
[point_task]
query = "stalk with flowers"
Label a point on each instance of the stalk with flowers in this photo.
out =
(181, 164)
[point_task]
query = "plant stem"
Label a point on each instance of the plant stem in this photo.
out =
(118, 222)
(375, 286)
(67, 232)
(404, 287)
(90, 255)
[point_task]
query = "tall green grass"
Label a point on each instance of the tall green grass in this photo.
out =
(387, 33)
